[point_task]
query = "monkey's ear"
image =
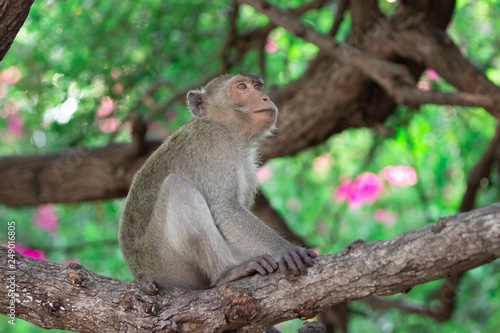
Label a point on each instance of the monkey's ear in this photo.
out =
(195, 101)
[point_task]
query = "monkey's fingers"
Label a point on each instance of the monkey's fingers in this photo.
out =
(311, 253)
(282, 265)
(288, 264)
(255, 266)
(269, 264)
(306, 257)
(298, 260)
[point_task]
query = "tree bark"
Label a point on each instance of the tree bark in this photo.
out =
(72, 175)
(73, 298)
(12, 17)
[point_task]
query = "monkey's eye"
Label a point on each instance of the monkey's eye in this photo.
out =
(241, 86)
(257, 86)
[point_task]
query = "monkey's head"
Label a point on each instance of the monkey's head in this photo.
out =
(238, 102)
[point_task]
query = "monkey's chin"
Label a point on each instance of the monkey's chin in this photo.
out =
(267, 133)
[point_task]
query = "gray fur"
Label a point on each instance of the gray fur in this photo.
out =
(187, 220)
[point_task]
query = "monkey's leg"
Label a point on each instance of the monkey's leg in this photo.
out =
(187, 249)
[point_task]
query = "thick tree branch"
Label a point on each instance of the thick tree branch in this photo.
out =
(71, 175)
(388, 75)
(446, 294)
(257, 38)
(394, 78)
(419, 40)
(12, 17)
(73, 298)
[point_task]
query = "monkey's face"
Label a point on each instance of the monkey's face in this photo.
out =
(251, 108)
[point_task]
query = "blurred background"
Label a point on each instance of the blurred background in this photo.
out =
(79, 71)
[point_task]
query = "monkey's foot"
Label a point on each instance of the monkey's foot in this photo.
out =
(263, 265)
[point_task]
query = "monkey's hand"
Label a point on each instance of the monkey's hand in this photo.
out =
(295, 260)
(263, 265)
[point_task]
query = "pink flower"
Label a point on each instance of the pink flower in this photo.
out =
(343, 192)
(385, 217)
(15, 124)
(105, 108)
(117, 89)
(11, 75)
(322, 163)
(10, 107)
(109, 125)
(433, 76)
(264, 173)
(424, 85)
(365, 189)
(115, 73)
(270, 46)
(46, 218)
(399, 175)
(30, 252)
(170, 115)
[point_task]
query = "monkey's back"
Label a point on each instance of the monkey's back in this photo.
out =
(202, 152)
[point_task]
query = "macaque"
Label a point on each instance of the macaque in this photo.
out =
(187, 221)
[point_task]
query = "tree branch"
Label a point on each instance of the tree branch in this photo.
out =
(394, 78)
(73, 298)
(12, 17)
(387, 74)
(71, 175)
(339, 17)
(418, 40)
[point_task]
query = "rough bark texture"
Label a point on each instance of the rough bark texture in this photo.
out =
(73, 298)
(12, 17)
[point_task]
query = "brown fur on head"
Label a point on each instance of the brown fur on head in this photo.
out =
(238, 102)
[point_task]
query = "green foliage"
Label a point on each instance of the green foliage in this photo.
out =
(86, 51)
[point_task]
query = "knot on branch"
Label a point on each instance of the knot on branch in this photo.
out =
(151, 288)
(439, 225)
(78, 276)
(134, 301)
(127, 301)
(238, 305)
(54, 306)
(351, 247)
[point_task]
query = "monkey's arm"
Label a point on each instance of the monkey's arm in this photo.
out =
(248, 234)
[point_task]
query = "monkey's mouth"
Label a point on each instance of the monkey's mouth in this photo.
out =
(265, 110)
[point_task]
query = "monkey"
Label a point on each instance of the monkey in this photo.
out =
(186, 221)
